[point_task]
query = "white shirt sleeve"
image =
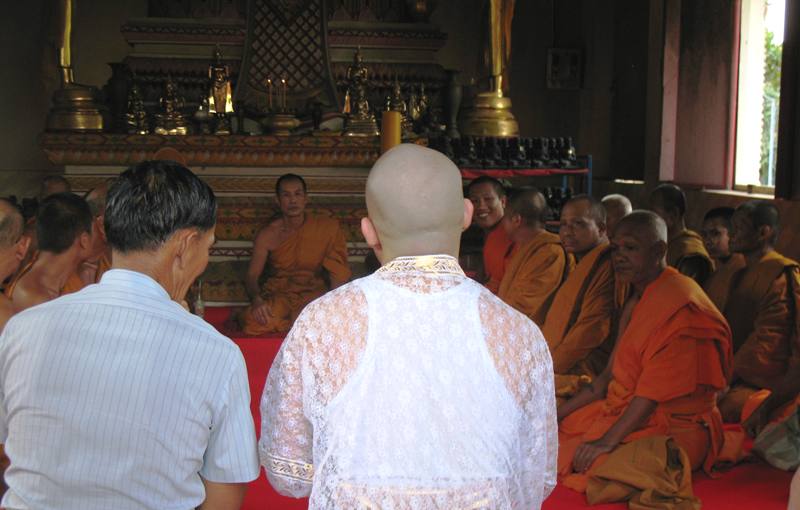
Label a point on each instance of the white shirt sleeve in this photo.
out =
(231, 454)
(286, 444)
(542, 439)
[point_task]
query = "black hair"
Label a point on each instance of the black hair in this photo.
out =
(12, 224)
(289, 177)
(61, 218)
(152, 200)
(497, 185)
(672, 197)
(530, 204)
(722, 213)
(763, 213)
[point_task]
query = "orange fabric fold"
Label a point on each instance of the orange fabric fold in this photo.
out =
(676, 351)
(533, 275)
(496, 251)
(298, 272)
(578, 324)
(718, 285)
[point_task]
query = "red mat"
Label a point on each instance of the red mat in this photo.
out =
(747, 486)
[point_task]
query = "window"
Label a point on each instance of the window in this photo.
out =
(759, 77)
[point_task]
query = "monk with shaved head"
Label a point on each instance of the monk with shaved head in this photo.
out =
(617, 207)
(414, 387)
(538, 264)
(578, 324)
(762, 308)
(672, 355)
(13, 246)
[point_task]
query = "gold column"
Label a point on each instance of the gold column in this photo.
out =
(75, 107)
(490, 114)
(390, 129)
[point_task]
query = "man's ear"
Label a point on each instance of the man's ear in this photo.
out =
(85, 241)
(503, 201)
(100, 224)
(185, 241)
(469, 208)
(765, 234)
(602, 228)
(370, 233)
(21, 249)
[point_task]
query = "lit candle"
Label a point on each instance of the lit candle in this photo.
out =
(283, 81)
(269, 89)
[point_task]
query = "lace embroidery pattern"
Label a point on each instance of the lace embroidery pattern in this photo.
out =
(290, 469)
(434, 264)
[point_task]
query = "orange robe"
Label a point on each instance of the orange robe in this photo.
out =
(496, 250)
(762, 309)
(688, 246)
(534, 273)
(718, 285)
(578, 326)
(75, 283)
(297, 273)
(676, 351)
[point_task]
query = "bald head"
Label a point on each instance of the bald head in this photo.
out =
(11, 223)
(639, 249)
(415, 202)
(617, 206)
(530, 205)
(646, 224)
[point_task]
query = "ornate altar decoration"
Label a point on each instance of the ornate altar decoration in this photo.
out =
(359, 118)
(286, 43)
(170, 120)
(490, 114)
(220, 99)
(75, 107)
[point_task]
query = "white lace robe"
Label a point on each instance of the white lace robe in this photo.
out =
(413, 388)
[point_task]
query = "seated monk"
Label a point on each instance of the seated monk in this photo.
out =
(716, 238)
(578, 325)
(488, 196)
(538, 264)
(13, 246)
(762, 309)
(685, 251)
(307, 256)
(672, 356)
(617, 206)
(98, 260)
(64, 235)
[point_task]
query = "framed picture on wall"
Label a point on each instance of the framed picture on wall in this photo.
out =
(564, 68)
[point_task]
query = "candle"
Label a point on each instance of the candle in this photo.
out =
(390, 130)
(269, 89)
(283, 82)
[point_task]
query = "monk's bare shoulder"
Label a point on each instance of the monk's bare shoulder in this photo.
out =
(27, 293)
(269, 236)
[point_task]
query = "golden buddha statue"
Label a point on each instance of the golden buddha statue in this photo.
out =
(170, 121)
(397, 104)
(490, 115)
(220, 102)
(359, 120)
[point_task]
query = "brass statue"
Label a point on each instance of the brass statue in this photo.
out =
(490, 115)
(170, 121)
(220, 102)
(75, 107)
(136, 118)
(397, 104)
(359, 120)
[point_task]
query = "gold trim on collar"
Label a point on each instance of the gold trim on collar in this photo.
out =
(434, 264)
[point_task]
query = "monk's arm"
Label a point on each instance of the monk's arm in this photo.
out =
(696, 268)
(335, 262)
(588, 394)
(591, 329)
(256, 267)
(541, 276)
(635, 416)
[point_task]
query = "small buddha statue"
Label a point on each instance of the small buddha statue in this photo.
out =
(397, 104)
(220, 102)
(170, 121)
(136, 117)
(360, 120)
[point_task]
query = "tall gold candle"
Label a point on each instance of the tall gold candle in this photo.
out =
(390, 129)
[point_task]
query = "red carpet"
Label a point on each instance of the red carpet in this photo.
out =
(747, 486)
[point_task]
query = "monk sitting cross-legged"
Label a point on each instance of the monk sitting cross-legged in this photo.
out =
(685, 251)
(538, 264)
(99, 259)
(672, 355)
(578, 324)
(13, 246)
(306, 256)
(64, 235)
(762, 309)
(489, 199)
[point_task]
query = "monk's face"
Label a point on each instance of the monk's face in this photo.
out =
(292, 198)
(716, 238)
(578, 230)
(489, 206)
(744, 237)
(636, 255)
